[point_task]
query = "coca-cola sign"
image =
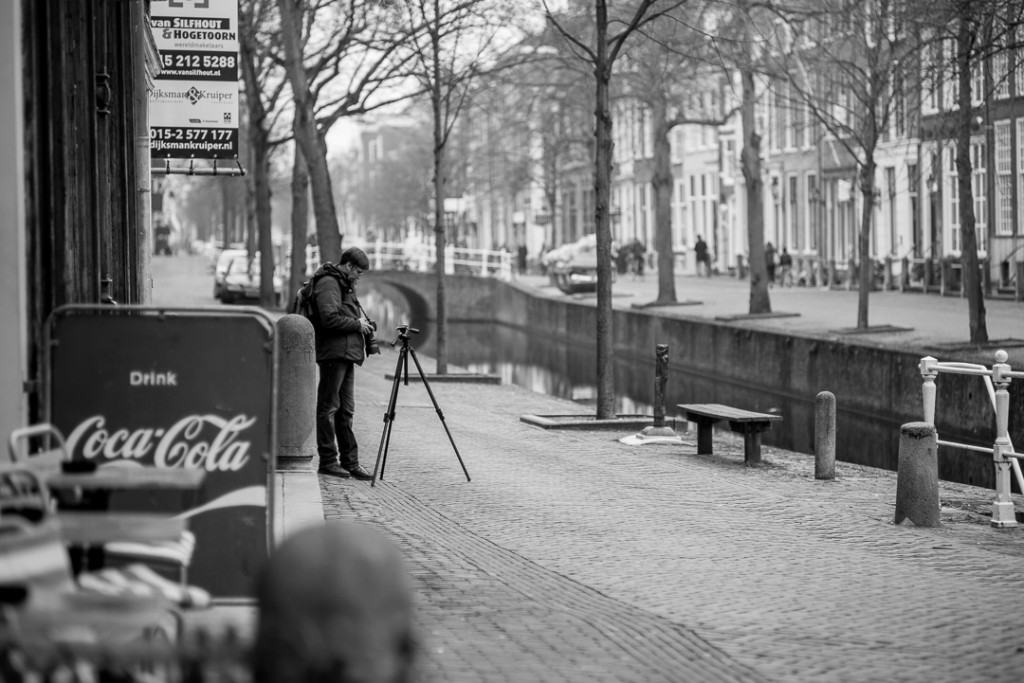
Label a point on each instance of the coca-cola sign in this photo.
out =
(189, 390)
(185, 444)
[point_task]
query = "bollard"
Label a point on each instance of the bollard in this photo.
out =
(917, 479)
(660, 380)
(659, 431)
(825, 435)
(296, 388)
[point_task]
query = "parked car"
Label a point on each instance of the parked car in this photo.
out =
(220, 268)
(242, 282)
(573, 267)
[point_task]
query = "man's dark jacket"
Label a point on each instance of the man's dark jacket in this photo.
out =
(339, 335)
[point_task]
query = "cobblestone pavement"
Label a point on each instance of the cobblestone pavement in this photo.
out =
(573, 557)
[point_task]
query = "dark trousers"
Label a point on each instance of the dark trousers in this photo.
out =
(335, 407)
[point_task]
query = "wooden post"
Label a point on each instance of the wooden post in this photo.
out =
(825, 435)
(659, 431)
(660, 381)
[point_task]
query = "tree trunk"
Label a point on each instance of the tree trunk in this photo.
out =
(226, 215)
(602, 194)
(439, 223)
(867, 190)
(969, 272)
(308, 137)
(760, 301)
(299, 221)
(661, 181)
(258, 209)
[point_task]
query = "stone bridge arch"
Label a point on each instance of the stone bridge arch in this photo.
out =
(467, 297)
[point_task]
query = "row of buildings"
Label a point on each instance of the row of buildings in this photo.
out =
(525, 174)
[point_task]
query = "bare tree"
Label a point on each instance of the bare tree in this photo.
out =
(264, 85)
(668, 73)
(962, 36)
(599, 44)
(394, 189)
(343, 58)
(531, 121)
(452, 43)
(853, 91)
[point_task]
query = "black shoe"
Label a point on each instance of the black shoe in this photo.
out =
(334, 470)
(358, 472)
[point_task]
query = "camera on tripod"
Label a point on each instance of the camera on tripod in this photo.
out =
(404, 333)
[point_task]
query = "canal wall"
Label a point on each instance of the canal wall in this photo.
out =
(754, 368)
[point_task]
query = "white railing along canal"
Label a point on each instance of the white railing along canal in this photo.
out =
(997, 381)
(422, 258)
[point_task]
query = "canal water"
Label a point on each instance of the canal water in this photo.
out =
(550, 365)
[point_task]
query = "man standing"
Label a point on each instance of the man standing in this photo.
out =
(769, 262)
(340, 327)
(703, 259)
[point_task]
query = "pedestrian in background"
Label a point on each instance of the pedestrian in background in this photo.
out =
(785, 268)
(342, 331)
(521, 258)
(637, 251)
(769, 262)
(703, 258)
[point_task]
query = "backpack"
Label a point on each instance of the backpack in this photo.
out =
(304, 303)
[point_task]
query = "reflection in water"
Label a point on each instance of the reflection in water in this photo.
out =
(552, 366)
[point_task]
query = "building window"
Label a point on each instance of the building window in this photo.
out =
(951, 78)
(1018, 62)
(1001, 73)
(890, 196)
(778, 119)
(793, 217)
(811, 211)
(1020, 169)
(729, 159)
(1004, 179)
(977, 83)
(954, 201)
(710, 205)
(913, 194)
(979, 188)
(930, 79)
(799, 124)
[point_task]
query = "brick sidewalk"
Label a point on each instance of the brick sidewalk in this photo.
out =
(573, 557)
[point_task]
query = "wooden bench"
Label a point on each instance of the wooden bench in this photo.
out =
(745, 422)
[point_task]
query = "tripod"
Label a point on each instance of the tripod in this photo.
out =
(402, 372)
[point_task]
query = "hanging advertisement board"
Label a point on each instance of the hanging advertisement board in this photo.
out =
(194, 104)
(131, 386)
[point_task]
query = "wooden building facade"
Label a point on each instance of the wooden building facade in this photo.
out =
(85, 69)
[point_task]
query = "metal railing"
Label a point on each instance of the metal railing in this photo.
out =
(422, 258)
(997, 380)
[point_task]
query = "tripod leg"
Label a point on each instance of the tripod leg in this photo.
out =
(389, 418)
(437, 408)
